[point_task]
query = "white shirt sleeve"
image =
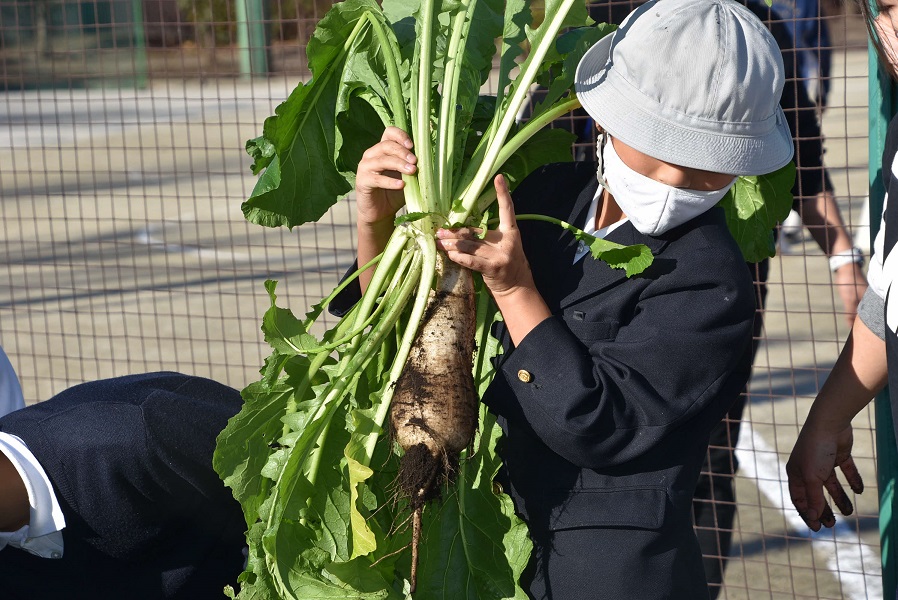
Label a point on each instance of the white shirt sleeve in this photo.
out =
(10, 391)
(43, 534)
(876, 278)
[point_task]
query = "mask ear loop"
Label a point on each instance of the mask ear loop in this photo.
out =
(600, 160)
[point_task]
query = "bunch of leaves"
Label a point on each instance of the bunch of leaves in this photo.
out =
(308, 456)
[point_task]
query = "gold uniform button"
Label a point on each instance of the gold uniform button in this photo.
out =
(524, 376)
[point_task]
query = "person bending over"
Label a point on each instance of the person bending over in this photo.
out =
(107, 492)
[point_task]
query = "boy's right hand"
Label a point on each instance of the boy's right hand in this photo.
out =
(378, 183)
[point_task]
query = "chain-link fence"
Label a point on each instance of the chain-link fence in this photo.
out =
(124, 248)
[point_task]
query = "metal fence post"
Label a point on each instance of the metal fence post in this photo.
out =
(139, 42)
(882, 107)
(251, 39)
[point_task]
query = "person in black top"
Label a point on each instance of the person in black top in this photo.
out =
(609, 386)
(714, 505)
(107, 491)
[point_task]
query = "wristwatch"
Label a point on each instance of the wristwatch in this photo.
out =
(840, 259)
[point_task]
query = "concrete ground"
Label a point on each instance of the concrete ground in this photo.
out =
(123, 249)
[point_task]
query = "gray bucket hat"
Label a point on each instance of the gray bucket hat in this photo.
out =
(695, 83)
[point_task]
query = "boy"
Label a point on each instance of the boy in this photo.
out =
(609, 387)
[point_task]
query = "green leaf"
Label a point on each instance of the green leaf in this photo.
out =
(361, 580)
(576, 17)
(487, 346)
(411, 217)
(242, 448)
(558, 69)
(283, 331)
(308, 525)
(400, 15)
(367, 425)
(364, 424)
(301, 181)
(482, 24)
(256, 582)
(275, 200)
(366, 102)
(262, 151)
(366, 127)
(515, 23)
(546, 146)
(632, 259)
(306, 587)
(754, 206)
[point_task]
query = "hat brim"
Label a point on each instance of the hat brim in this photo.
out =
(610, 102)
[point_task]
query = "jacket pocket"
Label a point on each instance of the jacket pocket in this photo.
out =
(591, 331)
(642, 508)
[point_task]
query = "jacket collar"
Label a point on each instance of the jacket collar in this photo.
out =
(595, 276)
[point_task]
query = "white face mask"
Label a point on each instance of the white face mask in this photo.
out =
(653, 207)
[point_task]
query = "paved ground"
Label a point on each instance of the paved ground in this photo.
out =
(123, 249)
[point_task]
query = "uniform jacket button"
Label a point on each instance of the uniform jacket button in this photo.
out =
(524, 376)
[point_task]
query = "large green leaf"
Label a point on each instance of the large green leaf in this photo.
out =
(558, 69)
(317, 534)
(400, 15)
(283, 331)
(243, 446)
(366, 100)
(755, 206)
(546, 145)
(306, 528)
(255, 581)
(576, 16)
(480, 23)
(516, 21)
(301, 181)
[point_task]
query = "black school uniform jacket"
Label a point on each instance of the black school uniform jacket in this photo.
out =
(130, 460)
(607, 406)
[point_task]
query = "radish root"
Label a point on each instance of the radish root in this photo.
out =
(434, 410)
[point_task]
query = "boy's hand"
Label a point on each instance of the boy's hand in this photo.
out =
(498, 255)
(500, 258)
(379, 182)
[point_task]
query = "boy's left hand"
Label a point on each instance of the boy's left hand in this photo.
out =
(498, 255)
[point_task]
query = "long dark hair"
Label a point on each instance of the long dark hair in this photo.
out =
(878, 44)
